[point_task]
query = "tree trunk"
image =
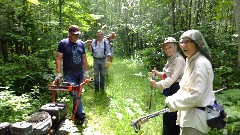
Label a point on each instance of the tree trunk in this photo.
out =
(4, 52)
(60, 14)
(174, 17)
(203, 12)
(237, 18)
(197, 10)
(189, 14)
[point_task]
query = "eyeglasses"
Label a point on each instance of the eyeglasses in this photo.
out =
(185, 42)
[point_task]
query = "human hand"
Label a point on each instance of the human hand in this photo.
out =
(88, 41)
(108, 63)
(58, 78)
(88, 44)
(86, 75)
(153, 82)
(154, 72)
(109, 59)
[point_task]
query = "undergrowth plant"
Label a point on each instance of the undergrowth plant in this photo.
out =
(110, 112)
(15, 108)
(126, 98)
(230, 99)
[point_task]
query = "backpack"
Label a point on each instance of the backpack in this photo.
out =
(216, 116)
(96, 45)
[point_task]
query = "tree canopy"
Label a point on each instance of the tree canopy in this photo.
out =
(31, 30)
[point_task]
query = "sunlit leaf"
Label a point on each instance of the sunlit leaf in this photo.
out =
(33, 1)
(130, 112)
(119, 115)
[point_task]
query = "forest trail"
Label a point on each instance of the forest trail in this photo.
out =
(126, 97)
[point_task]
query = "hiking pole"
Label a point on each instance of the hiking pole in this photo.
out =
(138, 122)
(153, 78)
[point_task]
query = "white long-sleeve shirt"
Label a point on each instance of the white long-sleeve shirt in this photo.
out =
(196, 90)
(174, 69)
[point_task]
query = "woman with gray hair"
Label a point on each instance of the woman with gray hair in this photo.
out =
(196, 85)
(171, 75)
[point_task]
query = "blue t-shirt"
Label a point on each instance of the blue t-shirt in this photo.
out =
(72, 54)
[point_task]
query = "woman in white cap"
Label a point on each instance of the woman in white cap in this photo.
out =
(196, 85)
(171, 75)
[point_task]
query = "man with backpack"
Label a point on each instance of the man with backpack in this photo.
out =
(100, 51)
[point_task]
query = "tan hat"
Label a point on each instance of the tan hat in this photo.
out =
(169, 40)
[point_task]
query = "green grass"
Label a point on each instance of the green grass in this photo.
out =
(126, 97)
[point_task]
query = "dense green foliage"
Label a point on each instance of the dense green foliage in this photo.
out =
(126, 98)
(31, 30)
(29, 36)
(17, 108)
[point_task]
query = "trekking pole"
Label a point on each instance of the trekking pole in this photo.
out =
(138, 122)
(150, 102)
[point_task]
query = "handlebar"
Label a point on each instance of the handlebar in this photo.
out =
(67, 86)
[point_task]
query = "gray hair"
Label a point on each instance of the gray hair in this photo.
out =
(100, 31)
(197, 37)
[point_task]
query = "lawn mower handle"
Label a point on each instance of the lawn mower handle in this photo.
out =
(54, 87)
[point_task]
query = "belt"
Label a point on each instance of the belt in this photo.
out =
(71, 71)
(99, 58)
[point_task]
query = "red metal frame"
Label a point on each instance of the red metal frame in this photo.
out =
(54, 88)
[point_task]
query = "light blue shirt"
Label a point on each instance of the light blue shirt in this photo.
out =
(98, 49)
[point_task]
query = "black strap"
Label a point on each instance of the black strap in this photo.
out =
(104, 47)
(201, 108)
(96, 46)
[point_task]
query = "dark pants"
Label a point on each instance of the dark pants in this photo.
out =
(99, 73)
(76, 78)
(169, 124)
(169, 118)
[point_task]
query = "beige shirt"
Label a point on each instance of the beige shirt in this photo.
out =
(196, 90)
(174, 69)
